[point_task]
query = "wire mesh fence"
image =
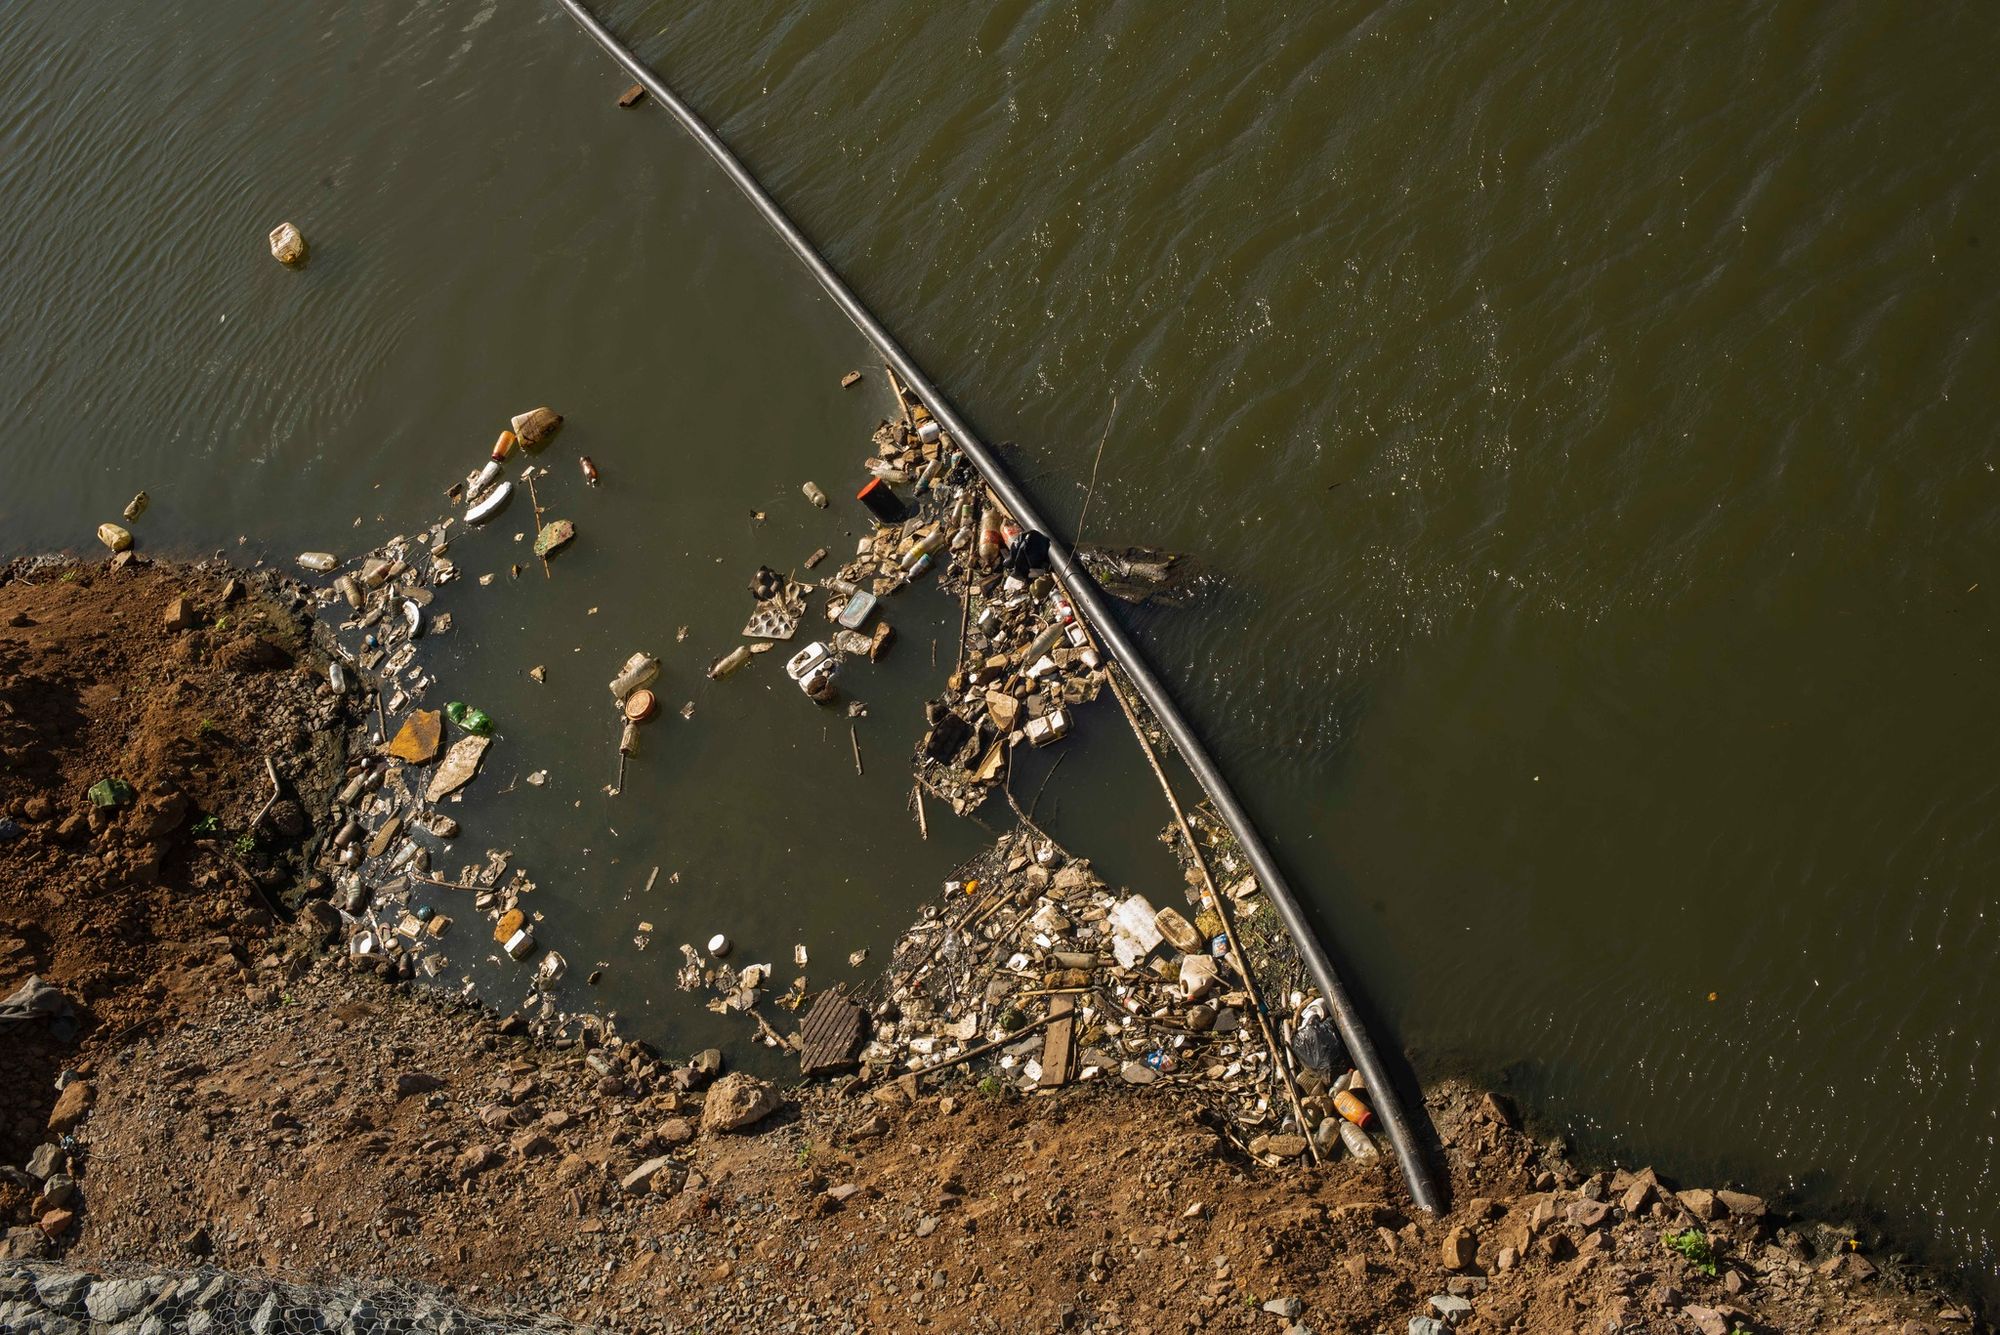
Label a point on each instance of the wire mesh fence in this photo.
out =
(147, 1300)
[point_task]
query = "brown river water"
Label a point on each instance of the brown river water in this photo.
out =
(1584, 414)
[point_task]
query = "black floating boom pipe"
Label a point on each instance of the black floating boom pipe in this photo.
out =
(1416, 1171)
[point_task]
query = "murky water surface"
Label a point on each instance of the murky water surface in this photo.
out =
(1586, 410)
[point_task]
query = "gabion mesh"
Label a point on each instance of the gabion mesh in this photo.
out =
(146, 1300)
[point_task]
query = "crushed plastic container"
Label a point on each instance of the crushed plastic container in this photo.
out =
(858, 609)
(641, 669)
(317, 562)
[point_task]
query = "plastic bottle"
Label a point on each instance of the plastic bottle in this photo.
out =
(989, 539)
(1349, 1105)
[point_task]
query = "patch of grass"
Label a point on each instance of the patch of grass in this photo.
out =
(1692, 1244)
(68, 577)
(990, 1086)
(804, 1153)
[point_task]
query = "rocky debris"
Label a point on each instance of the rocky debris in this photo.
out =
(72, 1106)
(739, 1101)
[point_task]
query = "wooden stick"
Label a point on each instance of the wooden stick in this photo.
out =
(982, 1049)
(855, 738)
(923, 826)
(1092, 489)
(536, 501)
(277, 791)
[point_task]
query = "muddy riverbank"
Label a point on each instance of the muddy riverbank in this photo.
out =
(221, 1089)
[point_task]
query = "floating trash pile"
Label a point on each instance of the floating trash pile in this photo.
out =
(406, 762)
(1035, 963)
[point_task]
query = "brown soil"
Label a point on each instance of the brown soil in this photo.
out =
(255, 1103)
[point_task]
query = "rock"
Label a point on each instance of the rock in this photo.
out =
(112, 1300)
(269, 1319)
(459, 765)
(1459, 1249)
(1701, 1204)
(1288, 1308)
(1847, 1265)
(1588, 1214)
(1706, 1319)
(675, 1131)
(1741, 1204)
(706, 1064)
(1636, 1197)
(640, 1180)
(55, 1223)
(288, 246)
(1506, 1260)
(1138, 1073)
(535, 426)
(22, 1244)
(474, 1161)
(59, 1190)
(252, 653)
(1497, 1110)
(409, 1084)
(1279, 1146)
(62, 1292)
(46, 1160)
(737, 1101)
(288, 818)
(1450, 1307)
(1426, 1325)
(180, 615)
(417, 740)
(531, 1144)
(72, 1106)
(320, 920)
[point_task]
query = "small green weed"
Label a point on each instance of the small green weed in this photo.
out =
(804, 1153)
(222, 623)
(1692, 1244)
(990, 1086)
(206, 825)
(246, 845)
(68, 577)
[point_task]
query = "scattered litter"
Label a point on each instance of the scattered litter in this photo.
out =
(136, 507)
(475, 721)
